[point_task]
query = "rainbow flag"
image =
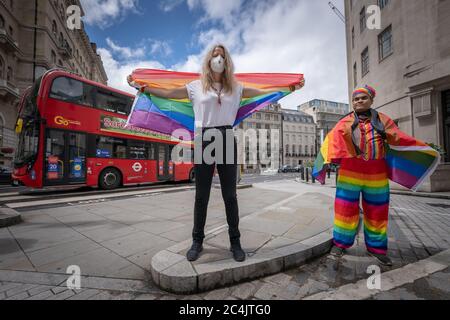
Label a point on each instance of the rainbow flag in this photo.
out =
(409, 160)
(167, 115)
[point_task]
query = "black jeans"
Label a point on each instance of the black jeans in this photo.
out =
(203, 179)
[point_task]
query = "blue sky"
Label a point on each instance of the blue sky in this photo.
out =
(298, 36)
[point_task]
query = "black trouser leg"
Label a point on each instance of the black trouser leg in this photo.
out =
(203, 180)
(227, 174)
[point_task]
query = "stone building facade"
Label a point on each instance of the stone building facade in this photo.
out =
(326, 115)
(269, 119)
(27, 50)
(299, 137)
(407, 60)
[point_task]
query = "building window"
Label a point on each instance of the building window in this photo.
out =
(268, 117)
(258, 116)
(383, 3)
(2, 68)
(362, 20)
(53, 54)
(385, 43)
(353, 38)
(54, 29)
(1, 131)
(365, 62)
(355, 75)
(63, 14)
(9, 74)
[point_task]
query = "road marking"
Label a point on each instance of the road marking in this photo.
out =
(8, 194)
(87, 198)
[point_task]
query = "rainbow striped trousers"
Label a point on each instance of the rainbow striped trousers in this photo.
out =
(369, 178)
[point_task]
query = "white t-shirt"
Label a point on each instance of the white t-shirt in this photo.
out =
(208, 112)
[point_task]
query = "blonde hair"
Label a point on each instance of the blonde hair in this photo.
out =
(228, 79)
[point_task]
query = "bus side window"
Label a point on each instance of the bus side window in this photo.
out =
(137, 150)
(120, 150)
(67, 89)
(124, 105)
(108, 147)
(151, 151)
(104, 148)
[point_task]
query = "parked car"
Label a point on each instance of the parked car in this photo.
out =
(269, 172)
(5, 175)
(286, 168)
(298, 168)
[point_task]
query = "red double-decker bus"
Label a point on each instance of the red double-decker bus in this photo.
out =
(72, 132)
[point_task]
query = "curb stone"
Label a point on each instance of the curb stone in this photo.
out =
(9, 217)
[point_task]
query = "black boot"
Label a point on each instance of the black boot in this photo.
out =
(194, 251)
(238, 253)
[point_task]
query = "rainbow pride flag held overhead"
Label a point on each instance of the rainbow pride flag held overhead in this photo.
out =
(167, 115)
(409, 160)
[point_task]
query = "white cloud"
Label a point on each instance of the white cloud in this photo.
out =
(223, 11)
(103, 13)
(169, 5)
(294, 36)
(125, 52)
(118, 71)
(160, 47)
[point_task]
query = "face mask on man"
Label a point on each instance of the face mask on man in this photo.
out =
(218, 64)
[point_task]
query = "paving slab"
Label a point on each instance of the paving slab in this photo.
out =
(284, 234)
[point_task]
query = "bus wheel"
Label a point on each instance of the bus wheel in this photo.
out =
(192, 176)
(109, 179)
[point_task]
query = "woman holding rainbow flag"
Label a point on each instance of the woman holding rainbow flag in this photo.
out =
(219, 100)
(370, 150)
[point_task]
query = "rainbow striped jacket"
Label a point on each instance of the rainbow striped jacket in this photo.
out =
(410, 161)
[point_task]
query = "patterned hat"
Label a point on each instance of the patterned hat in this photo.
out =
(366, 90)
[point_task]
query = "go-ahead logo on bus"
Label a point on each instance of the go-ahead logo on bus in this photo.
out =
(137, 167)
(65, 122)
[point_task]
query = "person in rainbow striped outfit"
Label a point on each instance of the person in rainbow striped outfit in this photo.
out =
(370, 150)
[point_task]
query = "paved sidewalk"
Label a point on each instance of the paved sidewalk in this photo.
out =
(35, 254)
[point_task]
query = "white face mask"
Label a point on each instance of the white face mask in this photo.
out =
(218, 64)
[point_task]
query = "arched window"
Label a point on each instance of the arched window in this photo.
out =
(2, 68)
(54, 29)
(53, 57)
(9, 74)
(1, 130)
